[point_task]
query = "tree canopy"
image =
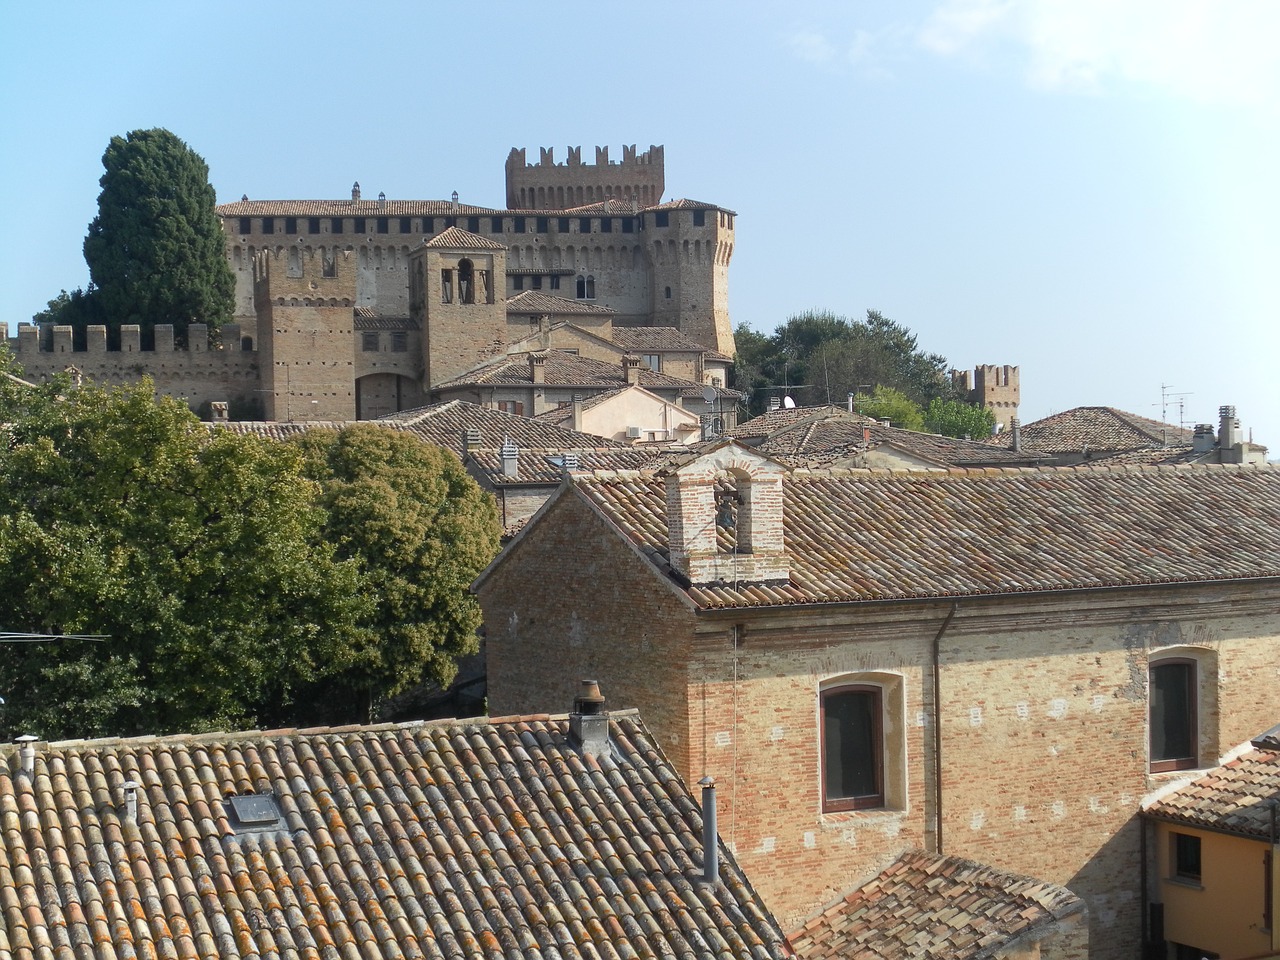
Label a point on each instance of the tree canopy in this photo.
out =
(826, 357)
(420, 530)
(156, 251)
(233, 580)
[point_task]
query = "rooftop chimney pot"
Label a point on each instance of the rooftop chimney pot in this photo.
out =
(27, 754)
(130, 788)
(589, 723)
(710, 834)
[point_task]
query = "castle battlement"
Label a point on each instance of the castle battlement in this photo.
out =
(994, 386)
(547, 185)
(33, 341)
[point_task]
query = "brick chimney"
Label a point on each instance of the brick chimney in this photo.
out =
(538, 367)
(630, 369)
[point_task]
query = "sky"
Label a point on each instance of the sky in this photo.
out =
(1086, 189)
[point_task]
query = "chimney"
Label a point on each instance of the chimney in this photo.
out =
(577, 413)
(631, 369)
(510, 458)
(27, 754)
(1015, 427)
(775, 403)
(355, 191)
(538, 367)
(130, 788)
(1204, 440)
(570, 462)
(1229, 432)
(710, 836)
(218, 411)
(850, 400)
(589, 723)
(470, 439)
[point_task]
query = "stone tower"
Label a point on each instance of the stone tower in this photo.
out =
(992, 386)
(305, 304)
(546, 185)
(689, 246)
(457, 296)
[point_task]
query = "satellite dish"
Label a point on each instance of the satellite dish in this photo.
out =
(709, 394)
(788, 403)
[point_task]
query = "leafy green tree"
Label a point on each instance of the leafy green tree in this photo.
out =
(886, 403)
(420, 530)
(156, 251)
(825, 357)
(198, 557)
(76, 309)
(955, 418)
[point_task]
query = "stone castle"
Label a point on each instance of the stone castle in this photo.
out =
(354, 309)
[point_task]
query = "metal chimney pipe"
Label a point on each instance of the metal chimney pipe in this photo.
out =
(130, 788)
(27, 754)
(710, 835)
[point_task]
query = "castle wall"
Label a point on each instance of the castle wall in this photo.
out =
(458, 335)
(196, 374)
(690, 269)
(546, 185)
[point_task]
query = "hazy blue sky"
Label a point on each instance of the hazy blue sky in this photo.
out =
(1085, 188)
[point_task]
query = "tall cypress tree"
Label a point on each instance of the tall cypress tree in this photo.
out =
(156, 251)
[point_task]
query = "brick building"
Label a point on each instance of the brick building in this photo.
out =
(869, 661)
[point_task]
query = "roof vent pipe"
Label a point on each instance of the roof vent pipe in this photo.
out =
(589, 723)
(710, 836)
(1016, 429)
(850, 400)
(130, 788)
(27, 754)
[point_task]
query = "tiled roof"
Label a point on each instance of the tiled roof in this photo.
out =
(563, 369)
(1097, 428)
(930, 907)
(455, 840)
(857, 535)
(774, 420)
(562, 415)
(352, 208)
(683, 204)
(533, 301)
(373, 321)
(541, 466)
(660, 340)
(829, 438)
(1235, 797)
(444, 425)
(611, 208)
(456, 237)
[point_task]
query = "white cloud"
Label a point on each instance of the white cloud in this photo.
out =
(811, 47)
(1203, 50)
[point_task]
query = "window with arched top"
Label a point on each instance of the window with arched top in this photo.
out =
(581, 287)
(1173, 709)
(862, 748)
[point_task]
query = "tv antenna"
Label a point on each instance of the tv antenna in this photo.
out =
(1166, 396)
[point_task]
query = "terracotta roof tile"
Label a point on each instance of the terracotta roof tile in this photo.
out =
(1235, 797)
(563, 369)
(533, 301)
(352, 208)
(828, 438)
(854, 535)
(546, 466)
(661, 340)
(775, 420)
(468, 840)
(444, 424)
(929, 907)
(1099, 429)
(457, 238)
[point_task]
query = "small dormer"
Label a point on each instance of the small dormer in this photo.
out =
(725, 517)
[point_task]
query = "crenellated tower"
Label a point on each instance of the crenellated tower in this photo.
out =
(547, 185)
(305, 301)
(992, 386)
(689, 246)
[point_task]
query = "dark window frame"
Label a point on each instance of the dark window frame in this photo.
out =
(1163, 760)
(246, 224)
(662, 219)
(268, 224)
(866, 801)
(357, 224)
(384, 225)
(313, 224)
(699, 218)
(290, 225)
(370, 342)
(1185, 855)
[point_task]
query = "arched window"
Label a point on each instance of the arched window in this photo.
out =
(591, 288)
(852, 747)
(582, 287)
(1173, 704)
